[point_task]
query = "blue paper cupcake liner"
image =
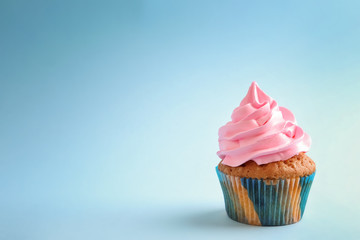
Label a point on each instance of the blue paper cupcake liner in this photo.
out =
(265, 202)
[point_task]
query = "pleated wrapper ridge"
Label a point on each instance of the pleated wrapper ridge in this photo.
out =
(265, 202)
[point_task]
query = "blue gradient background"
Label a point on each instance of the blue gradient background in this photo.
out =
(110, 112)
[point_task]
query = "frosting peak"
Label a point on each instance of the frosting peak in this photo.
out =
(261, 131)
(255, 96)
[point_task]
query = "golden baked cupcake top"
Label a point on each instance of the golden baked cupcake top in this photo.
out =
(297, 166)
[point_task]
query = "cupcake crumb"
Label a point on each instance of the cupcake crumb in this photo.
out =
(297, 166)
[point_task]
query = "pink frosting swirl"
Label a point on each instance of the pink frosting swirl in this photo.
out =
(261, 131)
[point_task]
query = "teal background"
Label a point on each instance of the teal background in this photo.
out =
(110, 111)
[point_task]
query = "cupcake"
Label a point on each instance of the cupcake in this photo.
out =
(264, 172)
